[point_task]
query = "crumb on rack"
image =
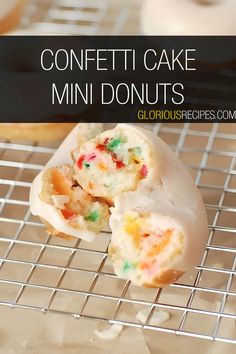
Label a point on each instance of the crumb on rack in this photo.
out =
(111, 333)
(158, 317)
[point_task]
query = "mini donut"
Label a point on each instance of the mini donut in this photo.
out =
(189, 17)
(32, 132)
(59, 201)
(158, 217)
(10, 13)
(35, 132)
(158, 221)
(153, 237)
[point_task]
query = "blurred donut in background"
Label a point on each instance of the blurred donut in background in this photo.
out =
(189, 17)
(10, 14)
(194, 18)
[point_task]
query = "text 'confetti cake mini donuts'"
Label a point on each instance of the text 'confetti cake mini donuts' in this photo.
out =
(130, 178)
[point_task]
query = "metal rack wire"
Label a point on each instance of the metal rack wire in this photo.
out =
(75, 278)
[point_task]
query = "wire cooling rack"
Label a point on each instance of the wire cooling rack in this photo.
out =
(75, 278)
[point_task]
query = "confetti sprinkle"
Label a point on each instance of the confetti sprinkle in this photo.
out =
(119, 164)
(87, 165)
(68, 214)
(144, 266)
(109, 149)
(146, 235)
(102, 166)
(114, 144)
(128, 266)
(91, 156)
(93, 216)
(80, 161)
(143, 171)
(106, 140)
(101, 147)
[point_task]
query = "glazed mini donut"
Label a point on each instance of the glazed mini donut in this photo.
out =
(32, 132)
(59, 201)
(160, 230)
(10, 13)
(189, 17)
(158, 221)
(35, 132)
(154, 239)
(158, 217)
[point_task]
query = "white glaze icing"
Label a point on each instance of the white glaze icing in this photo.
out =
(62, 156)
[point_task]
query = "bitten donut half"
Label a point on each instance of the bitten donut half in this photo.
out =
(129, 178)
(160, 230)
(65, 208)
(155, 239)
